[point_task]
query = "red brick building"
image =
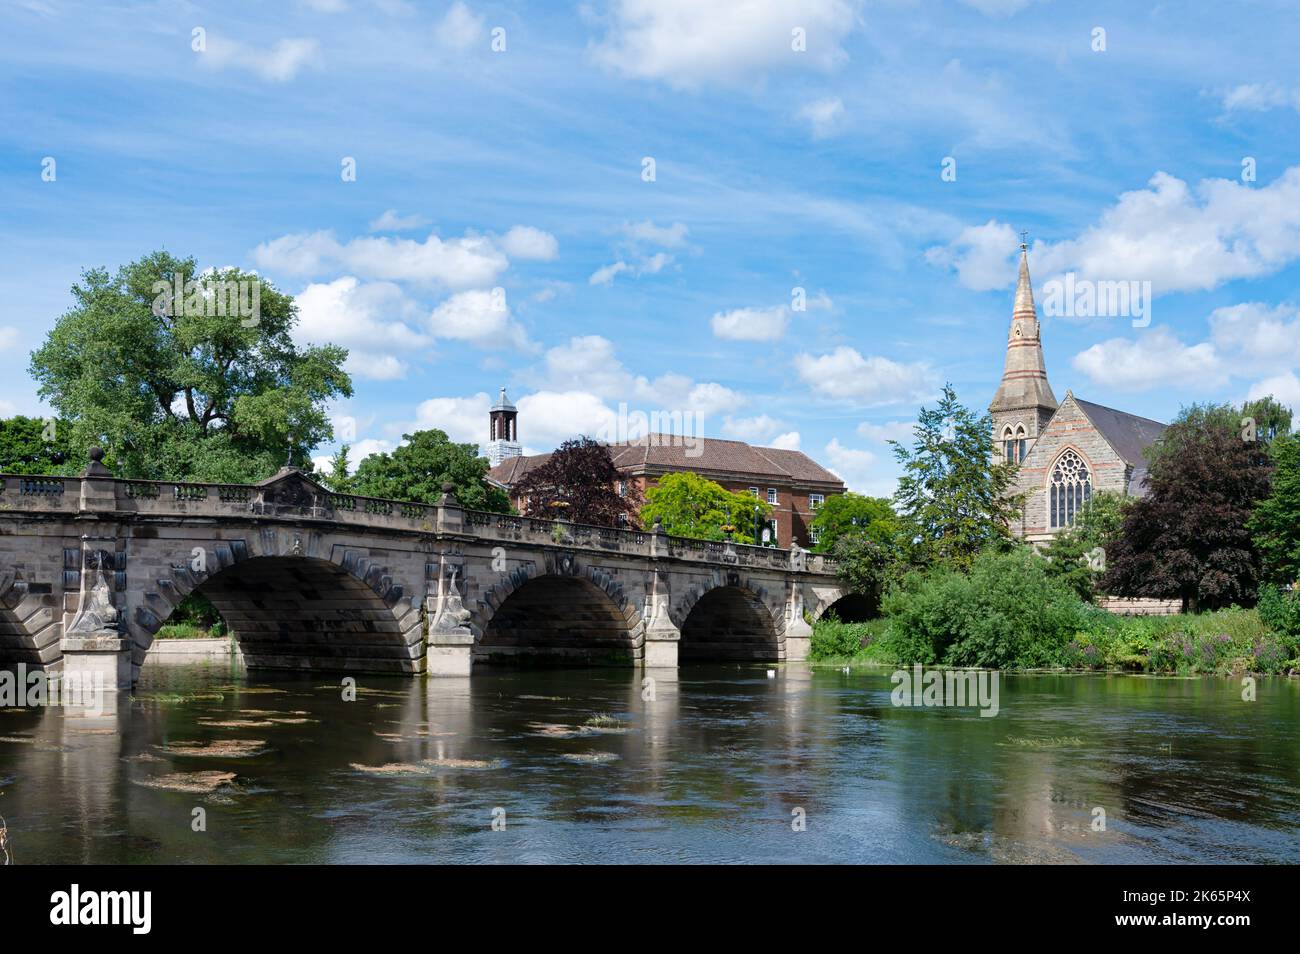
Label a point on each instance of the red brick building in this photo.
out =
(792, 482)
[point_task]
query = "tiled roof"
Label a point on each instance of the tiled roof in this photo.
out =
(1128, 434)
(663, 452)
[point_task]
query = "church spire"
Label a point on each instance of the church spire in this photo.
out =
(1024, 392)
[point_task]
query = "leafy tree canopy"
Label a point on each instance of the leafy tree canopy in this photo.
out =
(417, 469)
(689, 505)
(854, 513)
(174, 389)
(954, 497)
(30, 445)
(580, 476)
(1272, 418)
(1188, 538)
(1276, 521)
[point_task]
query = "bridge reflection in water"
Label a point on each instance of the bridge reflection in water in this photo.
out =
(701, 763)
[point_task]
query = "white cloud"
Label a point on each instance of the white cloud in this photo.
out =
(276, 64)
(790, 440)
(1257, 336)
(591, 360)
(605, 274)
(466, 262)
(889, 431)
(1260, 97)
(751, 324)
(1284, 387)
(687, 44)
(464, 419)
(479, 317)
(647, 266)
(753, 430)
(390, 221)
(369, 320)
(460, 29)
(845, 375)
(529, 244)
(823, 115)
(981, 255)
(1177, 237)
(548, 418)
(668, 236)
(850, 465)
(9, 337)
(1152, 359)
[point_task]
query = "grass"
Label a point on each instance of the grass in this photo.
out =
(189, 631)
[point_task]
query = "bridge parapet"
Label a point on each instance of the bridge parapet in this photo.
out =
(162, 498)
(39, 494)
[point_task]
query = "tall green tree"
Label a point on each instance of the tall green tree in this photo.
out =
(688, 505)
(339, 478)
(30, 445)
(580, 482)
(1272, 419)
(417, 469)
(1188, 539)
(854, 513)
(174, 389)
(1276, 520)
(955, 496)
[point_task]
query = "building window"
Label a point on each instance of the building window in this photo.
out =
(1014, 445)
(815, 501)
(771, 495)
(815, 535)
(1069, 490)
(754, 491)
(622, 488)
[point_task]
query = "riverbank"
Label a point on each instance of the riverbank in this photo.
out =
(1225, 642)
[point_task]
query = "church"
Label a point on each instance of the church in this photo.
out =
(1066, 451)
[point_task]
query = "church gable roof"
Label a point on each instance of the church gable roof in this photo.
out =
(1128, 434)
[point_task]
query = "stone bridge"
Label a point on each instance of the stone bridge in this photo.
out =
(91, 567)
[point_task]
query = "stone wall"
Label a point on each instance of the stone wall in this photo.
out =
(1070, 429)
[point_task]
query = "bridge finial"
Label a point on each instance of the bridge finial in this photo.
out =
(95, 465)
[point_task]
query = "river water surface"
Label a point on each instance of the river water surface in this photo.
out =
(723, 764)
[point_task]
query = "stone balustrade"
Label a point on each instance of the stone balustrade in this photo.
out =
(61, 495)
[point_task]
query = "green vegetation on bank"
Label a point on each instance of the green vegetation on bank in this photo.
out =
(1010, 613)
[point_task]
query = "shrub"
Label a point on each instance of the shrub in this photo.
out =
(835, 639)
(1280, 611)
(1007, 612)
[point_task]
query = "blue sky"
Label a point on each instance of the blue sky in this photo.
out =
(522, 170)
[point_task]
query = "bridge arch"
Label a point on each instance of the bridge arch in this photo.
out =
(29, 630)
(291, 610)
(560, 613)
(850, 606)
(729, 617)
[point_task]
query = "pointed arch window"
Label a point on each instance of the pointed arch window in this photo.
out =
(1014, 444)
(1069, 489)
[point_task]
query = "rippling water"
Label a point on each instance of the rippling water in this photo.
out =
(714, 768)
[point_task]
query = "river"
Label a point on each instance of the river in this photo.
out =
(708, 763)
